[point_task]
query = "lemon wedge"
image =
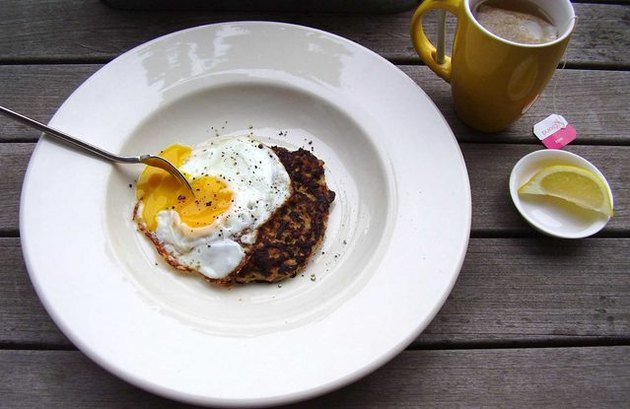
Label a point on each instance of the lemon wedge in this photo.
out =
(574, 184)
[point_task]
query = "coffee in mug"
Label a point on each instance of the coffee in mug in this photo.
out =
(503, 55)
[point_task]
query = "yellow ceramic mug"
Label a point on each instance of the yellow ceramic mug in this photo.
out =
(493, 80)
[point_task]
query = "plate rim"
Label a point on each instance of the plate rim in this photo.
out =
(298, 395)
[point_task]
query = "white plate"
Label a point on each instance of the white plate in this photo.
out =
(396, 241)
(547, 214)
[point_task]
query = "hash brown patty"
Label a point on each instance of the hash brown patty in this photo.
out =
(288, 239)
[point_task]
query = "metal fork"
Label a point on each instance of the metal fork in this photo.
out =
(149, 160)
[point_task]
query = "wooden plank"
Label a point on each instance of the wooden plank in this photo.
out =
(90, 31)
(327, 6)
(489, 167)
(515, 378)
(602, 1)
(24, 320)
(13, 162)
(528, 291)
(37, 91)
(595, 102)
(518, 291)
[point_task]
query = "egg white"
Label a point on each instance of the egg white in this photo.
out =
(260, 185)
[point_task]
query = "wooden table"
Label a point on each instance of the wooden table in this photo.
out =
(532, 320)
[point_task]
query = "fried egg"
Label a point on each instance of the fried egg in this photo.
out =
(238, 184)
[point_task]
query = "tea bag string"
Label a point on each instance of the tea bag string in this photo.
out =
(555, 85)
(557, 79)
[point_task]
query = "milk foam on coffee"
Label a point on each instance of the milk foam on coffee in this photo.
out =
(515, 26)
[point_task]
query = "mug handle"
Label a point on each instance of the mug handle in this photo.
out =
(425, 49)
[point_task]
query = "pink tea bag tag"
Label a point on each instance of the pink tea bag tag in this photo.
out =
(555, 132)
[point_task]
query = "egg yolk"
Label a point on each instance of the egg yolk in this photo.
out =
(160, 191)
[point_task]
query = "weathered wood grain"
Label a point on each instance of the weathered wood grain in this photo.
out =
(518, 291)
(13, 162)
(515, 378)
(535, 291)
(89, 31)
(594, 101)
(488, 165)
(37, 91)
(24, 320)
(531, 321)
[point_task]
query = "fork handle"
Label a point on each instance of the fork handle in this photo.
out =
(65, 137)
